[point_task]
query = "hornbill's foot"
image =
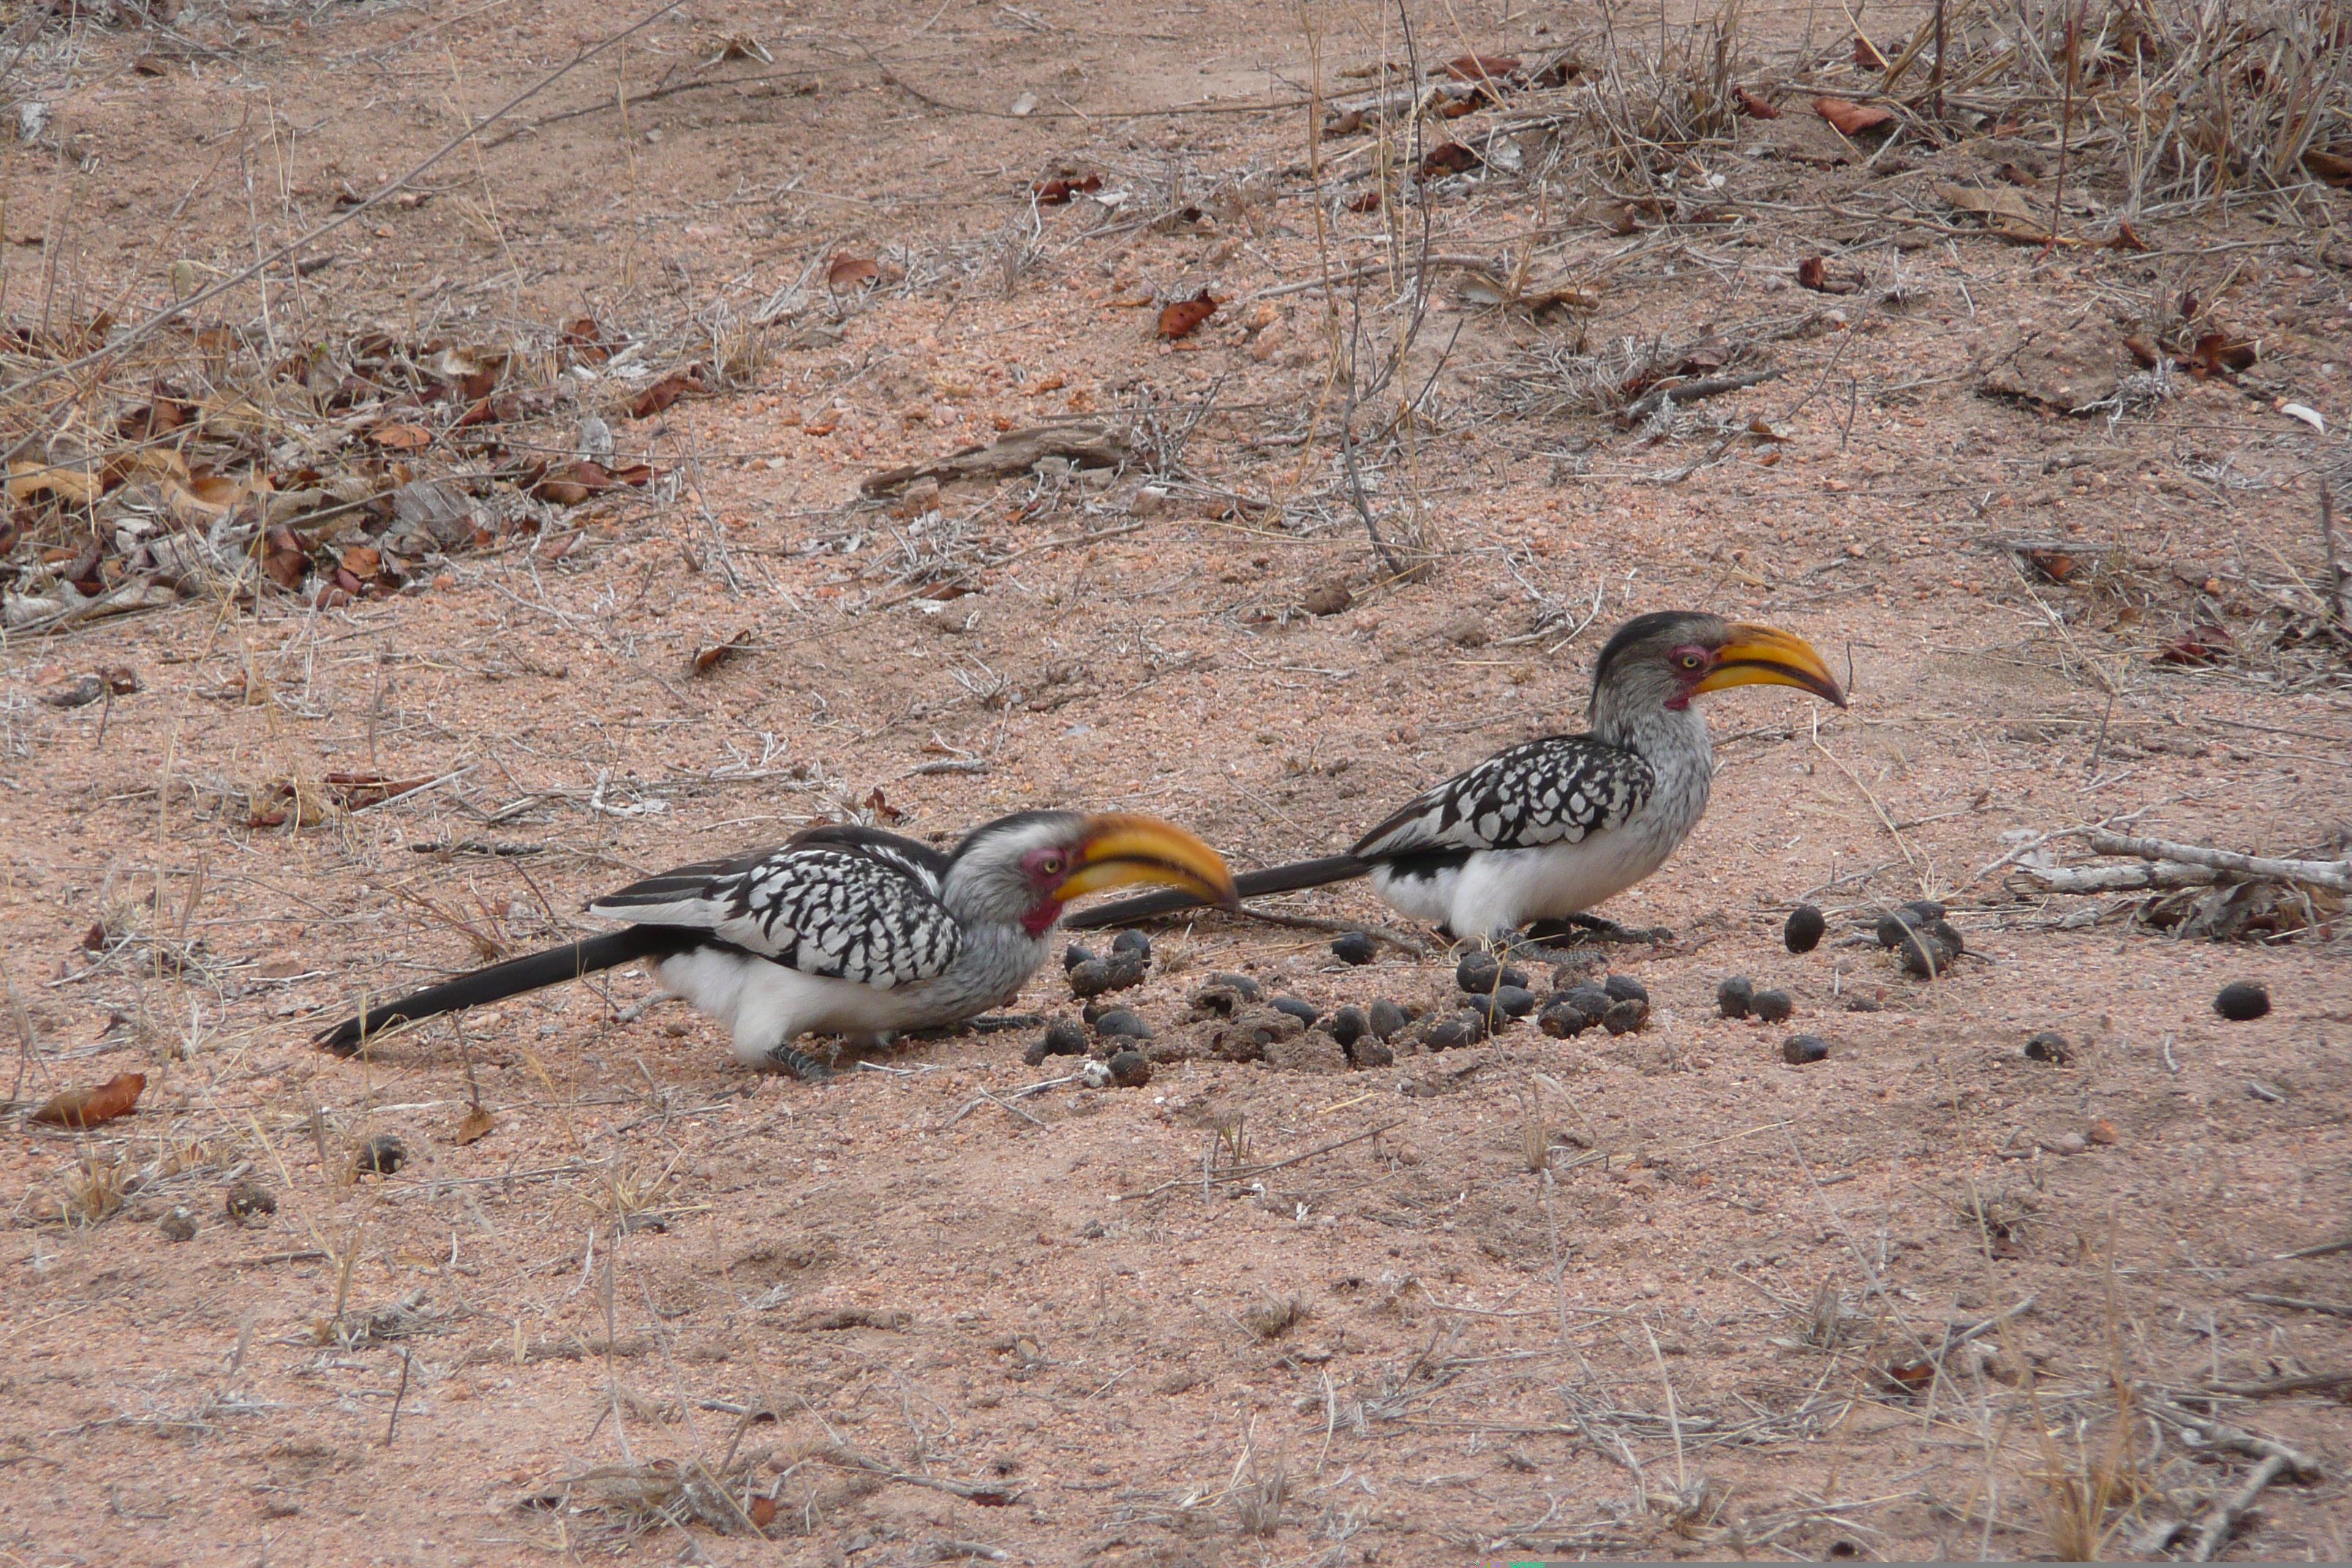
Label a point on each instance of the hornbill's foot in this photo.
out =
(799, 1064)
(1582, 930)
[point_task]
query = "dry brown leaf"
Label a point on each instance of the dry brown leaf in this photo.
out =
(81, 1108)
(477, 1126)
(2334, 168)
(1866, 55)
(1754, 107)
(849, 272)
(1448, 158)
(2006, 212)
(401, 437)
(1184, 315)
(1852, 119)
(712, 655)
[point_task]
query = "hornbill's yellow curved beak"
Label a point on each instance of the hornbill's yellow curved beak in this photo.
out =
(1766, 655)
(1121, 850)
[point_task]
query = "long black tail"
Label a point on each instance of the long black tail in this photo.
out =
(1251, 885)
(513, 978)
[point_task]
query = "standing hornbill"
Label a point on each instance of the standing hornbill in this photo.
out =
(1550, 828)
(847, 930)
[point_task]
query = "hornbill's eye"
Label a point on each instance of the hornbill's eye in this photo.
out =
(1051, 863)
(1690, 661)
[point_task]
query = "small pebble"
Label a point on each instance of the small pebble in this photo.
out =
(1074, 955)
(1133, 942)
(1299, 1007)
(2066, 1143)
(2101, 1131)
(2048, 1045)
(1477, 973)
(1370, 1052)
(1799, 1049)
(1120, 1022)
(1506, 1003)
(1240, 983)
(1626, 988)
(1733, 995)
(1353, 947)
(250, 1200)
(1094, 1074)
(1348, 1025)
(1625, 1017)
(1924, 953)
(1590, 1000)
(1772, 1006)
(1562, 1022)
(378, 1156)
(2241, 1001)
(1864, 1004)
(1804, 931)
(1064, 1038)
(178, 1225)
(1386, 1019)
(1128, 1069)
(1453, 1032)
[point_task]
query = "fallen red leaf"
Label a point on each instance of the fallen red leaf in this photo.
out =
(1055, 192)
(1866, 55)
(2055, 564)
(882, 809)
(401, 437)
(659, 396)
(81, 1108)
(849, 272)
(1478, 68)
(1449, 158)
(2218, 353)
(585, 339)
(283, 558)
(1559, 73)
(1852, 119)
(2127, 238)
(763, 1511)
(1756, 107)
(2201, 644)
(1365, 200)
(709, 657)
(2334, 168)
(1182, 317)
(2144, 352)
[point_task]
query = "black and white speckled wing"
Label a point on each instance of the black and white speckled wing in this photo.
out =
(1556, 790)
(846, 903)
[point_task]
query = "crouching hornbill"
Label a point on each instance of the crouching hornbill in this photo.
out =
(1548, 830)
(847, 930)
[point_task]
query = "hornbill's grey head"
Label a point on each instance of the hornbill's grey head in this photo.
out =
(1660, 661)
(1023, 869)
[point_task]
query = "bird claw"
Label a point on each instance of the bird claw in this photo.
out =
(1578, 930)
(801, 1064)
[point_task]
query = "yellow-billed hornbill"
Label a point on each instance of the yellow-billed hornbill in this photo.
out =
(1548, 830)
(847, 930)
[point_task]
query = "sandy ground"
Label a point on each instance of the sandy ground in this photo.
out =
(1652, 1295)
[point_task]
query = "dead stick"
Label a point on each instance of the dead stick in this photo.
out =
(2339, 603)
(2334, 874)
(392, 1426)
(2223, 1518)
(1692, 391)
